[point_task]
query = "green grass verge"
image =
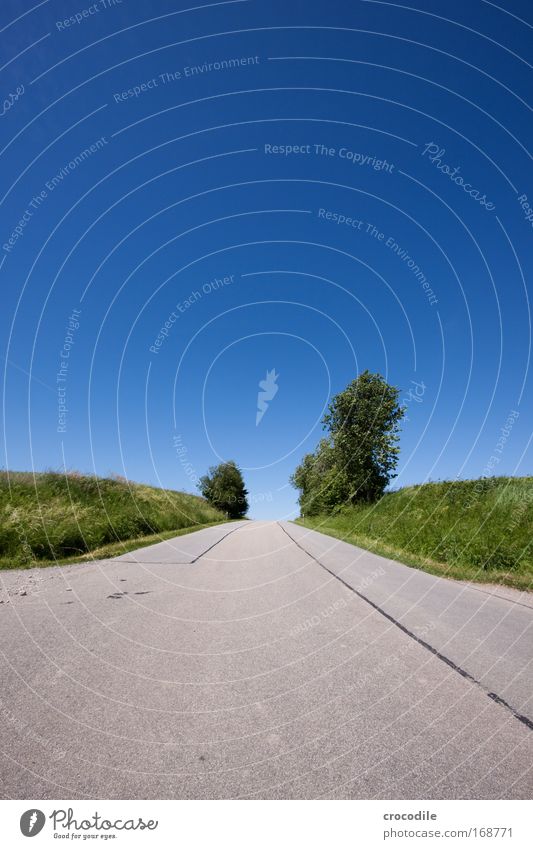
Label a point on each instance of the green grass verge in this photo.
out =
(477, 530)
(113, 549)
(58, 518)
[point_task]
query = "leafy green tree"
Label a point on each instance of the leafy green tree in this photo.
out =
(364, 422)
(359, 457)
(223, 487)
(321, 483)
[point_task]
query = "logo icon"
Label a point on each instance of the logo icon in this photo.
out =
(32, 822)
(269, 389)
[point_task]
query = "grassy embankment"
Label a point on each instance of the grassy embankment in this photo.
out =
(52, 517)
(476, 530)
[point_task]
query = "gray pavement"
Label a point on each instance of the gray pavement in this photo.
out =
(487, 633)
(261, 660)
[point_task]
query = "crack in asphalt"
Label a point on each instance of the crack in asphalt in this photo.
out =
(217, 542)
(180, 563)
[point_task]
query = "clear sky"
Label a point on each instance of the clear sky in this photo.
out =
(195, 195)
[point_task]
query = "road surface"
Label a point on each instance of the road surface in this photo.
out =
(262, 660)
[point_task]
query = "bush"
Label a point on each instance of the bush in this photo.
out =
(224, 488)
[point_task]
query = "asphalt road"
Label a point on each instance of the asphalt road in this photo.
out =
(262, 660)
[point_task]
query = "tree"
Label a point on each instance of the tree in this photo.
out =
(321, 483)
(223, 487)
(359, 456)
(363, 421)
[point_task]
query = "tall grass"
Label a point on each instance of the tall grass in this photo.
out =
(49, 516)
(479, 530)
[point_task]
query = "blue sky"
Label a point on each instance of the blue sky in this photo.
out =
(193, 197)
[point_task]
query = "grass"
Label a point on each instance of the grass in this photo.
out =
(54, 517)
(476, 530)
